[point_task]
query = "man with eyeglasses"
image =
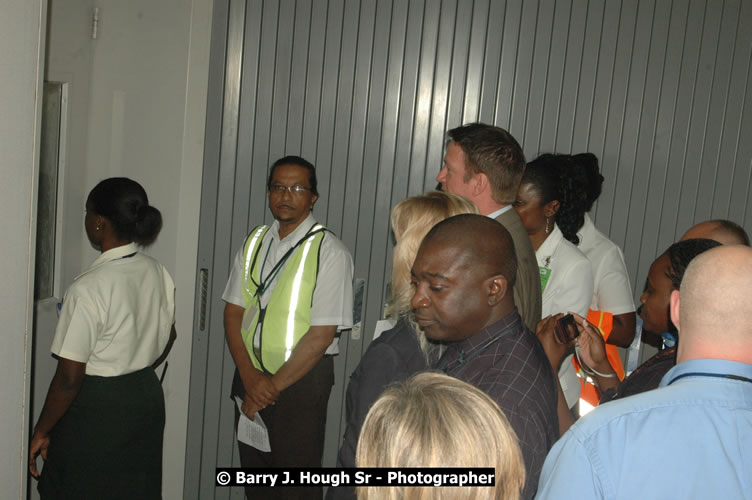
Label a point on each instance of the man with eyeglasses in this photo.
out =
(289, 293)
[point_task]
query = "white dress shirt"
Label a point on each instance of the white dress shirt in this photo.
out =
(569, 289)
(117, 315)
(612, 291)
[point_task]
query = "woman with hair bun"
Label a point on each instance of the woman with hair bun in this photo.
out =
(550, 206)
(101, 428)
(612, 292)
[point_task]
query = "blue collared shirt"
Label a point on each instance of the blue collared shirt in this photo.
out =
(690, 438)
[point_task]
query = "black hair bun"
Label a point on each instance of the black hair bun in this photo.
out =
(148, 225)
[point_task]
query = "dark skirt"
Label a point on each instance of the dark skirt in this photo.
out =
(109, 442)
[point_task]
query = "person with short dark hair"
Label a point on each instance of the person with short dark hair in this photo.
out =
(463, 275)
(299, 162)
(484, 164)
(665, 276)
(288, 294)
(690, 437)
(101, 428)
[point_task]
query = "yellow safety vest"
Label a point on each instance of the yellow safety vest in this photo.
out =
(287, 316)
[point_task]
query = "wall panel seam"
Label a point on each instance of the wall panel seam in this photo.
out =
(639, 126)
(687, 126)
(705, 122)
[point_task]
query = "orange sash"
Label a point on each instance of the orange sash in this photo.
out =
(604, 321)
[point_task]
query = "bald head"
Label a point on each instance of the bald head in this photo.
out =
(481, 241)
(714, 305)
(723, 231)
(462, 277)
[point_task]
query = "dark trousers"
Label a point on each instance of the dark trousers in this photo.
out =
(296, 426)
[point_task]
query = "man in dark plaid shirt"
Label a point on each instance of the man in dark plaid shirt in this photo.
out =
(463, 277)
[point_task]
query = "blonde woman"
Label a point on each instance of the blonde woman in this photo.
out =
(403, 350)
(447, 423)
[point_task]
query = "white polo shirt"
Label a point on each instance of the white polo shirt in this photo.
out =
(570, 285)
(612, 291)
(332, 302)
(569, 289)
(117, 315)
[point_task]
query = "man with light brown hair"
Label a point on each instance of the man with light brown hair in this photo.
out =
(484, 164)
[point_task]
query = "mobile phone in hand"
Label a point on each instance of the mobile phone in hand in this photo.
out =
(566, 329)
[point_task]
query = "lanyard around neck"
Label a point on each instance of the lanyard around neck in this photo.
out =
(714, 375)
(265, 283)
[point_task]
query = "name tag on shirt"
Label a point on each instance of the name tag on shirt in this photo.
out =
(545, 274)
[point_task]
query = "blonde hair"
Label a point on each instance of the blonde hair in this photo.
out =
(412, 218)
(434, 420)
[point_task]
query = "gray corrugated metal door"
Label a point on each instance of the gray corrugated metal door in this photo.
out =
(659, 91)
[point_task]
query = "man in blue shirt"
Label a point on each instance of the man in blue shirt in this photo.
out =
(690, 438)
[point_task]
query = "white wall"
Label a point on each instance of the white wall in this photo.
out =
(137, 107)
(69, 59)
(22, 38)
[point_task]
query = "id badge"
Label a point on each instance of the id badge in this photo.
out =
(545, 274)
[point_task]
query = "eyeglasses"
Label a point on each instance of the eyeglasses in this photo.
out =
(280, 189)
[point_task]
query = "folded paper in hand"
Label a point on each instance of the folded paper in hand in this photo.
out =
(252, 432)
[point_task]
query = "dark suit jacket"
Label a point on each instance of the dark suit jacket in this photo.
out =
(527, 290)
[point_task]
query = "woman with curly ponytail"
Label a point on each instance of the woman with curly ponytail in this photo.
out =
(550, 206)
(612, 291)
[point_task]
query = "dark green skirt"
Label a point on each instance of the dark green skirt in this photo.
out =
(108, 445)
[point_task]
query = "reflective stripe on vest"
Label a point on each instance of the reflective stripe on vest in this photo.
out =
(254, 237)
(287, 315)
(289, 334)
